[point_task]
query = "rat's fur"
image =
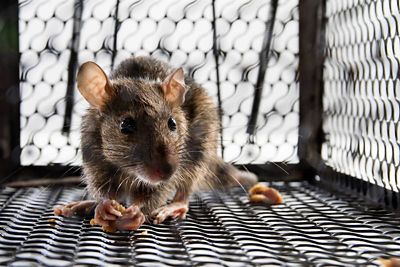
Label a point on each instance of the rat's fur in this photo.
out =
(107, 152)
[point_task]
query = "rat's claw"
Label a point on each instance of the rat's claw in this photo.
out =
(132, 219)
(173, 210)
(74, 208)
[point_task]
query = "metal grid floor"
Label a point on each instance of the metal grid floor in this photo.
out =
(312, 228)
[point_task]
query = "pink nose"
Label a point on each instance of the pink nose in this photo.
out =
(158, 173)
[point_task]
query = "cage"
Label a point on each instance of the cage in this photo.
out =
(309, 97)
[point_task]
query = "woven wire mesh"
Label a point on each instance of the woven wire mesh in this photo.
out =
(361, 90)
(312, 228)
(179, 32)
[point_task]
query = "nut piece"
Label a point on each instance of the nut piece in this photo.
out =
(260, 193)
(93, 222)
(258, 198)
(119, 207)
(110, 228)
(258, 189)
(274, 196)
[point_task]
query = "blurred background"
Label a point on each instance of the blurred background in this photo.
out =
(179, 32)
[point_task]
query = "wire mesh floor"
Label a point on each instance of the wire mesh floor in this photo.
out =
(312, 228)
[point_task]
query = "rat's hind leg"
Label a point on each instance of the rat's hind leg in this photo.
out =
(75, 208)
(173, 210)
(176, 209)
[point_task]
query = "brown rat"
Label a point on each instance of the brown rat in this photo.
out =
(151, 132)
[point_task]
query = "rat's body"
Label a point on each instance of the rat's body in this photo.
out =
(150, 133)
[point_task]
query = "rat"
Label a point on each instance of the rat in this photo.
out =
(149, 139)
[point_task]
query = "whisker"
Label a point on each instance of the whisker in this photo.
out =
(280, 167)
(101, 187)
(120, 184)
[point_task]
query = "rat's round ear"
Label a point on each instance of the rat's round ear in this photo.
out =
(174, 87)
(94, 84)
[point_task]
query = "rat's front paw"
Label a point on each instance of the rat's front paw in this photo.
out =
(75, 208)
(106, 212)
(173, 210)
(131, 219)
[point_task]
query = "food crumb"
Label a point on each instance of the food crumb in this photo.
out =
(119, 206)
(109, 229)
(51, 220)
(144, 232)
(261, 193)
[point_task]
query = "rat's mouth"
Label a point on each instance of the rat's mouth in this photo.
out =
(153, 181)
(151, 177)
(154, 172)
(159, 171)
(157, 175)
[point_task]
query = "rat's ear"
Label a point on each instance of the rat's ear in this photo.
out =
(174, 87)
(93, 84)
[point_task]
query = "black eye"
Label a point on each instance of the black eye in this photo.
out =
(172, 124)
(127, 125)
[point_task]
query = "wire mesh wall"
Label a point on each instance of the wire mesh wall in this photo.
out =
(361, 91)
(180, 32)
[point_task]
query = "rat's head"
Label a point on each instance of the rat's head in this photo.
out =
(142, 126)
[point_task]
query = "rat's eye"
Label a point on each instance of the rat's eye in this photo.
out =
(127, 125)
(172, 124)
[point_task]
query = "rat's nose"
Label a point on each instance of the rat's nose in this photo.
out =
(167, 169)
(164, 171)
(157, 173)
(161, 171)
(161, 163)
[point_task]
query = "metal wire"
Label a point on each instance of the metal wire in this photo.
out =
(116, 27)
(264, 59)
(361, 80)
(312, 228)
(72, 66)
(216, 52)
